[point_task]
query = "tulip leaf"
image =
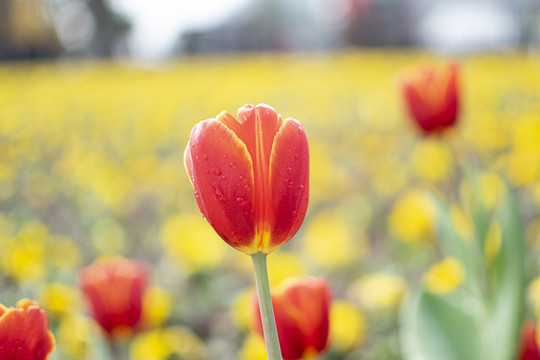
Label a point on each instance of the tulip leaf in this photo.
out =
(507, 305)
(438, 329)
(467, 253)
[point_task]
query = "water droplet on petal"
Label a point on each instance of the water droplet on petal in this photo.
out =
(247, 187)
(290, 184)
(300, 130)
(300, 187)
(289, 170)
(217, 171)
(219, 192)
(205, 157)
(232, 164)
(296, 156)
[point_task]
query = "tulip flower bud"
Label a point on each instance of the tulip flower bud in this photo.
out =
(114, 289)
(432, 96)
(301, 306)
(250, 176)
(24, 332)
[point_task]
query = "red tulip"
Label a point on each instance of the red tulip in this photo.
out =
(114, 289)
(301, 306)
(24, 332)
(432, 97)
(250, 176)
(528, 349)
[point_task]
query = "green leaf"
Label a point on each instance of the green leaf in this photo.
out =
(452, 245)
(507, 307)
(436, 329)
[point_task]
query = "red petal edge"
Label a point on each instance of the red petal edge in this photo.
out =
(289, 182)
(222, 174)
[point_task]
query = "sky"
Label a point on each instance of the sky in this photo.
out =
(157, 23)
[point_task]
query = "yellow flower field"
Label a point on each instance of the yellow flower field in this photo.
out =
(91, 166)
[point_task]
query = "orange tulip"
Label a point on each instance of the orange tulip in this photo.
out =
(114, 289)
(301, 306)
(432, 97)
(24, 332)
(528, 349)
(250, 176)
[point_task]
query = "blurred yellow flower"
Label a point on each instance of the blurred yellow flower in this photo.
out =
(379, 290)
(185, 343)
(157, 305)
(24, 255)
(412, 218)
(445, 276)
(348, 326)
(490, 188)
(492, 243)
(522, 163)
(253, 348)
(323, 187)
(283, 265)
(329, 241)
(431, 160)
(160, 344)
(75, 337)
(462, 224)
(150, 345)
(192, 242)
(59, 299)
(239, 311)
(486, 134)
(533, 295)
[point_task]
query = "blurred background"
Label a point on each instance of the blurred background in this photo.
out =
(168, 28)
(97, 101)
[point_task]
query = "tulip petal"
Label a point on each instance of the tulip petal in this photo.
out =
(289, 181)
(222, 173)
(432, 97)
(260, 125)
(115, 289)
(301, 309)
(24, 333)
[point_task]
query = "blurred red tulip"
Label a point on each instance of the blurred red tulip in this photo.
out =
(528, 349)
(432, 96)
(114, 289)
(250, 176)
(24, 332)
(301, 306)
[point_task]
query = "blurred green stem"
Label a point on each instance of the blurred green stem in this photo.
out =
(114, 350)
(265, 305)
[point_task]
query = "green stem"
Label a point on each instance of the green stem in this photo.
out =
(114, 350)
(265, 305)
